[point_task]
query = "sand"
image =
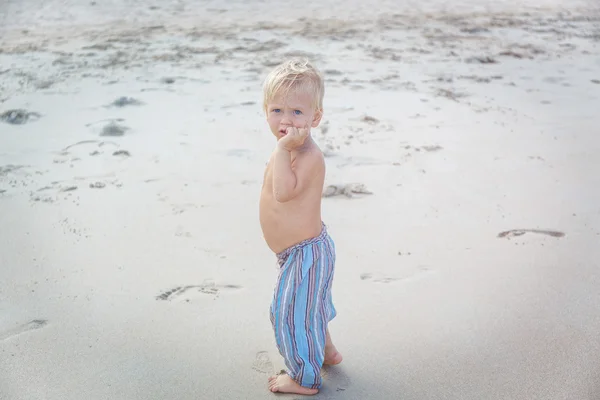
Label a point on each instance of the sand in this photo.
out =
(132, 264)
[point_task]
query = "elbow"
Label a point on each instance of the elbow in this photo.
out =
(282, 197)
(284, 192)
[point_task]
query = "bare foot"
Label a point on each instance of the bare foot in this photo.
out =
(285, 384)
(332, 356)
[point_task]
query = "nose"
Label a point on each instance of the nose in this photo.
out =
(286, 120)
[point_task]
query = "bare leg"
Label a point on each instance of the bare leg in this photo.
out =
(283, 383)
(332, 356)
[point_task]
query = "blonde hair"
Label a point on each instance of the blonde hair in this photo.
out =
(297, 74)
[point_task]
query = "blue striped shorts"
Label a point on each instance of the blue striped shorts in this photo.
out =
(302, 307)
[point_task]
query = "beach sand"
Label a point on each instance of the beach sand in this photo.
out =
(132, 265)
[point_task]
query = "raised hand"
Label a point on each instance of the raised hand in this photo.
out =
(294, 138)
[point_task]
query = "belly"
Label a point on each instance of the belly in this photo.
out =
(286, 224)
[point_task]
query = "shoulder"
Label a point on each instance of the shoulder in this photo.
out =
(313, 158)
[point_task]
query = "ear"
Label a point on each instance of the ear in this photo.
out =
(317, 118)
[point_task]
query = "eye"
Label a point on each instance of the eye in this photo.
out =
(297, 112)
(276, 110)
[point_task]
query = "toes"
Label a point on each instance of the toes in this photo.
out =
(273, 383)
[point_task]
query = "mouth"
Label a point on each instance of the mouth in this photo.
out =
(283, 132)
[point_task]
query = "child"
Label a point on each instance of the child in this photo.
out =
(290, 217)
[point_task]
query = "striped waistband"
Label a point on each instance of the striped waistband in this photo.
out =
(282, 256)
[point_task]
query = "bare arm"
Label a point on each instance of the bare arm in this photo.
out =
(288, 183)
(284, 178)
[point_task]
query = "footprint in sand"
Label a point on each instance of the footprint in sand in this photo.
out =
(378, 278)
(480, 60)
(19, 116)
(262, 363)
(9, 168)
(187, 293)
(370, 120)
(125, 101)
(519, 232)
(18, 177)
(450, 94)
(78, 151)
(432, 148)
(122, 153)
(114, 129)
(29, 326)
(111, 129)
(474, 30)
(513, 54)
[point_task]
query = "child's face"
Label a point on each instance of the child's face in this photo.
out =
(296, 109)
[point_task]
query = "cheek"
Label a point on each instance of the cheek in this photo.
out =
(301, 120)
(273, 119)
